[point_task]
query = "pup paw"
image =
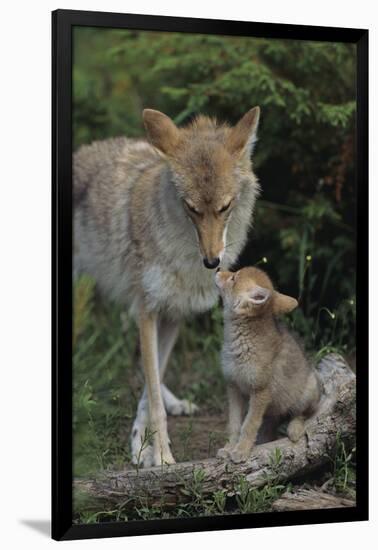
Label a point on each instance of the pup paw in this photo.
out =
(295, 429)
(240, 454)
(224, 452)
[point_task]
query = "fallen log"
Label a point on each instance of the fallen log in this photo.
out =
(280, 460)
(310, 499)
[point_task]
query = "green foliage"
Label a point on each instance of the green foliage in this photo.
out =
(312, 257)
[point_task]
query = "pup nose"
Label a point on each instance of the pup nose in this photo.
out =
(211, 263)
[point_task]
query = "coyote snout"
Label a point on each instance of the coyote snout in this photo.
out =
(211, 230)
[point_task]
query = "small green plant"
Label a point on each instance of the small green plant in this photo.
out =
(344, 473)
(195, 489)
(275, 460)
(148, 512)
(253, 499)
(184, 437)
(199, 501)
(220, 498)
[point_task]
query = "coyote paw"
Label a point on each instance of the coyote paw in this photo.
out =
(145, 453)
(182, 407)
(161, 459)
(175, 406)
(167, 459)
(149, 458)
(144, 458)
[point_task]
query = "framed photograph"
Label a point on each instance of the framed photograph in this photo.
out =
(210, 193)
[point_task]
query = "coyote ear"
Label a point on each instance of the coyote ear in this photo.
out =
(161, 131)
(243, 136)
(283, 304)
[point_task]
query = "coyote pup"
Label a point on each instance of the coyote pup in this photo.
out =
(262, 362)
(151, 220)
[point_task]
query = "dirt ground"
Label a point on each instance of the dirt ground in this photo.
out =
(194, 437)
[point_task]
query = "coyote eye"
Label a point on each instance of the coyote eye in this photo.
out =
(225, 207)
(191, 208)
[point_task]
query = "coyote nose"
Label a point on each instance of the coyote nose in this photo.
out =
(212, 263)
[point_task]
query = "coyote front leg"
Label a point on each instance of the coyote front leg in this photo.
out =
(167, 335)
(150, 361)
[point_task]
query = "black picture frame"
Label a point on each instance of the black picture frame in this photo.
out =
(63, 22)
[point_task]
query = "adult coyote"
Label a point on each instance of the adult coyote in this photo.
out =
(151, 220)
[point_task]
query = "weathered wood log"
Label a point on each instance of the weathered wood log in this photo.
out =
(280, 459)
(310, 499)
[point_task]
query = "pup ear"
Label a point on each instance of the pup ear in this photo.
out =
(283, 304)
(259, 295)
(243, 136)
(161, 131)
(255, 298)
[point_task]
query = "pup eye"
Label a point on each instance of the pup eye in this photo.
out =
(225, 207)
(191, 208)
